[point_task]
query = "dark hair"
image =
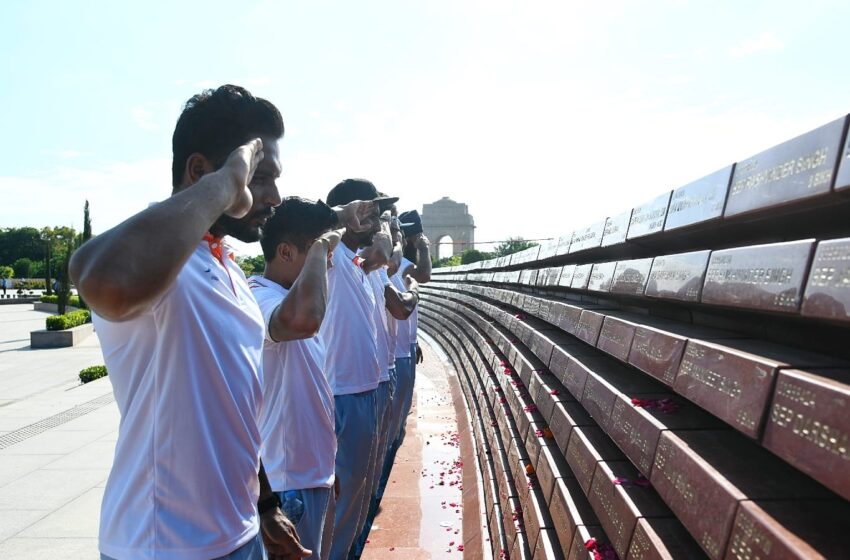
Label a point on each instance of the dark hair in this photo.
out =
(216, 122)
(351, 190)
(298, 221)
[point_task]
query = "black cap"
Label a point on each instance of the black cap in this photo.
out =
(358, 189)
(411, 222)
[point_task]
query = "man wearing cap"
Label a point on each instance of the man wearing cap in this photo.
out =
(352, 365)
(391, 305)
(416, 262)
(182, 337)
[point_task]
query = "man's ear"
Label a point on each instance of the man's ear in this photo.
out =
(285, 252)
(197, 165)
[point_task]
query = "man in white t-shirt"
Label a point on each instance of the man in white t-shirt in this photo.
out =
(416, 262)
(182, 337)
(297, 417)
(352, 364)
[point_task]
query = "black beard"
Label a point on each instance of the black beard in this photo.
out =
(240, 228)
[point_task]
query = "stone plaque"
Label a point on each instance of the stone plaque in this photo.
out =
(630, 277)
(551, 277)
(564, 315)
(566, 278)
(574, 376)
(548, 545)
(636, 426)
(648, 218)
(619, 506)
(589, 325)
(828, 287)
(565, 417)
(587, 446)
(569, 509)
(700, 201)
(797, 169)
(764, 277)
(587, 238)
(548, 249)
(581, 276)
(657, 352)
(702, 475)
(616, 228)
(584, 533)
(550, 465)
(601, 276)
(809, 425)
(803, 530)
(564, 244)
(662, 539)
(607, 380)
(678, 276)
(734, 380)
(615, 337)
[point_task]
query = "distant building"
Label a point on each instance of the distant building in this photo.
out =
(448, 221)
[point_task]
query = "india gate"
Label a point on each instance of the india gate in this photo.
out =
(445, 219)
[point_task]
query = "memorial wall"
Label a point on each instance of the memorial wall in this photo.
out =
(671, 381)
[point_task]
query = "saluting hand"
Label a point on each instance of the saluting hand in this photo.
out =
(238, 170)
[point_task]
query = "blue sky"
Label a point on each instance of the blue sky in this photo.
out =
(541, 116)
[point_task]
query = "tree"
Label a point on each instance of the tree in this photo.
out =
(251, 265)
(7, 272)
(454, 260)
(512, 245)
(86, 235)
(23, 268)
(55, 243)
(64, 277)
(474, 255)
(20, 243)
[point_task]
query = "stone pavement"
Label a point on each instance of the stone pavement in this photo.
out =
(56, 443)
(57, 440)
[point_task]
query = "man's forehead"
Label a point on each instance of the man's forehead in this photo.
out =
(271, 157)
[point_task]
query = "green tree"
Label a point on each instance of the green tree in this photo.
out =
(19, 243)
(474, 255)
(7, 272)
(512, 245)
(23, 267)
(454, 260)
(56, 245)
(86, 235)
(64, 277)
(251, 265)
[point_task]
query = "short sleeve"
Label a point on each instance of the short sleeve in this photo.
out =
(268, 300)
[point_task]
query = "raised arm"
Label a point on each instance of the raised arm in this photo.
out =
(303, 309)
(401, 304)
(422, 267)
(379, 253)
(123, 271)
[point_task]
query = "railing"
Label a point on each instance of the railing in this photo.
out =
(672, 381)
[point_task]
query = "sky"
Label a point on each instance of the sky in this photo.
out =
(543, 117)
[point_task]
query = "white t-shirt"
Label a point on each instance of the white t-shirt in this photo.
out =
(186, 377)
(376, 279)
(348, 331)
(297, 417)
(413, 320)
(402, 339)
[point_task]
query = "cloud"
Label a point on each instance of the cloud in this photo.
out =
(69, 154)
(143, 116)
(760, 43)
(116, 191)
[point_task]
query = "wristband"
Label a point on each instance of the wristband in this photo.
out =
(269, 503)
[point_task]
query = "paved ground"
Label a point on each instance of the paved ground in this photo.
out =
(57, 439)
(51, 478)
